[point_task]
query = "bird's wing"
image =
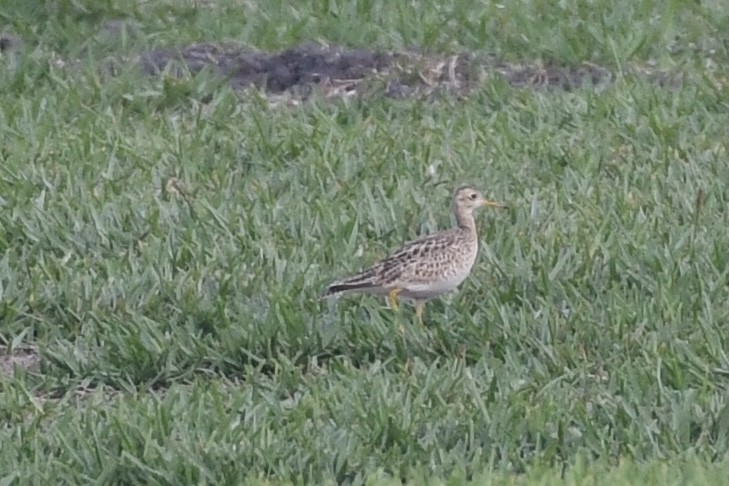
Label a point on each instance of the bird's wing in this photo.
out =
(403, 265)
(404, 262)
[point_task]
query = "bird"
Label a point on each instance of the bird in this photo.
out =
(427, 267)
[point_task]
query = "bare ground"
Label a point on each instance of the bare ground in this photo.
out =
(338, 71)
(24, 358)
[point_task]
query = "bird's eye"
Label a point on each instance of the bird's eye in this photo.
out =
(473, 196)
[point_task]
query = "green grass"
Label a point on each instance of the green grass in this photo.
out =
(179, 330)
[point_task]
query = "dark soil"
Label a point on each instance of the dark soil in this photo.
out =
(341, 71)
(338, 71)
(306, 64)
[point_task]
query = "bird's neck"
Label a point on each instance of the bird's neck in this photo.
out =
(466, 222)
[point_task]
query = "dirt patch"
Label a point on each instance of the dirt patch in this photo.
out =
(306, 64)
(26, 359)
(338, 71)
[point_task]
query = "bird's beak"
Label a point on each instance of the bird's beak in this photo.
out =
(493, 204)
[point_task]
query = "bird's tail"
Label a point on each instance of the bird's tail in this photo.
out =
(361, 281)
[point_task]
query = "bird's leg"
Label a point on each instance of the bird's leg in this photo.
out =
(419, 311)
(392, 296)
(392, 299)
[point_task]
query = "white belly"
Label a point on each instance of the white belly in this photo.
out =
(422, 291)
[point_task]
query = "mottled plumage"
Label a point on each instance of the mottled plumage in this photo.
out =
(427, 267)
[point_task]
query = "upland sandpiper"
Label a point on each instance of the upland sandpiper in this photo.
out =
(427, 267)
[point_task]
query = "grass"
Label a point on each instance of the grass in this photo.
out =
(164, 243)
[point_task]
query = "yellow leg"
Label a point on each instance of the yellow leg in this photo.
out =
(419, 312)
(393, 298)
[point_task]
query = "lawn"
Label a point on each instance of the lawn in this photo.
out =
(165, 237)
